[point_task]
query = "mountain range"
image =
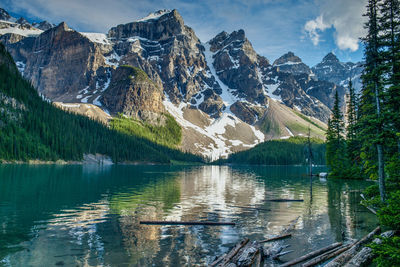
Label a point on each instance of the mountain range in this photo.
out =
(225, 96)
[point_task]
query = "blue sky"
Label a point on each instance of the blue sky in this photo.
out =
(309, 28)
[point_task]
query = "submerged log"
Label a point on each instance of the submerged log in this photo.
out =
(311, 255)
(275, 238)
(291, 226)
(185, 223)
(343, 258)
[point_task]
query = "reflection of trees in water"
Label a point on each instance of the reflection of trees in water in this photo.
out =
(347, 217)
(141, 242)
(335, 210)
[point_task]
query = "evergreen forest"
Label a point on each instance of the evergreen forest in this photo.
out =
(367, 146)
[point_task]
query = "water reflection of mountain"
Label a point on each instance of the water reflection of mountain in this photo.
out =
(89, 216)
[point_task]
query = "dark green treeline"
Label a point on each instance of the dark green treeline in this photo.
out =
(32, 128)
(290, 151)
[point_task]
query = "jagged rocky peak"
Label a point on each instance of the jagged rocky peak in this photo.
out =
(237, 65)
(331, 69)
(291, 63)
(5, 16)
(22, 21)
(236, 41)
(156, 26)
(289, 57)
(63, 27)
(330, 57)
(44, 25)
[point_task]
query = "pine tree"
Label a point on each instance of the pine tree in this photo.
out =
(351, 114)
(352, 142)
(335, 143)
(389, 23)
(371, 120)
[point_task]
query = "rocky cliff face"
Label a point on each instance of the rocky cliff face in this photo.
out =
(52, 60)
(132, 93)
(225, 96)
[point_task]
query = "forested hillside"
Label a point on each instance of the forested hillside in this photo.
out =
(281, 152)
(32, 128)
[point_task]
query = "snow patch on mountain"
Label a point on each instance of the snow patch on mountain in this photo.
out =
(214, 131)
(288, 63)
(227, 97)
(20, 66)
(100, 38)
(18, 29)
(155, 15)
(112, 59)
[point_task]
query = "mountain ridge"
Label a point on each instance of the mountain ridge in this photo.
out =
(222, 91)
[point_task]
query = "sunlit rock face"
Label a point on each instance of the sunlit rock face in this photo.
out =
(224, 94)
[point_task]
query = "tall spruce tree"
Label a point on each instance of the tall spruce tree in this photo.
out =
(351, 130)
(335, 143)
(389, 23)
(352, 142)
(371, 120)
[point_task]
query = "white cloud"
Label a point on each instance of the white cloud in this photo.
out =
(313, 27)
(345, 17)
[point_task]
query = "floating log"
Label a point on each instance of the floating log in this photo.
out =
(259, 260)
(341, 260)
(250, 208)
(185, 223)
(280, 254)
(326, 256)
(275, 238)
(285, 200)
(311, 255)
(235, 250)
(217, 260)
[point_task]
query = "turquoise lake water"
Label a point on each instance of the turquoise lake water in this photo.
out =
(89, 215)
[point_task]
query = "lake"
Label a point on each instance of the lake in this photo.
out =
(88, 215)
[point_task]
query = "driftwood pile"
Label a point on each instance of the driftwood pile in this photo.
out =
(253, 254)
(246, 253)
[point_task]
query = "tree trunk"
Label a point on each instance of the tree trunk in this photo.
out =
(381, 173)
